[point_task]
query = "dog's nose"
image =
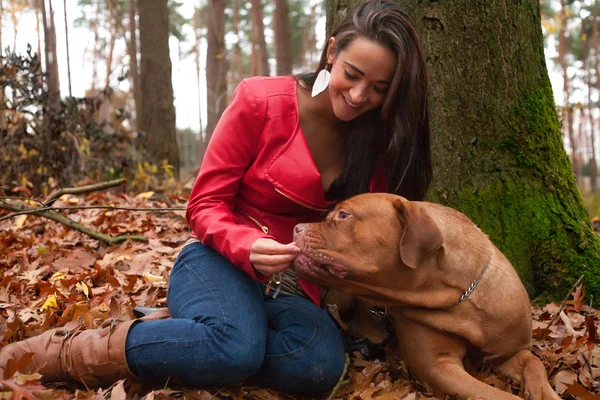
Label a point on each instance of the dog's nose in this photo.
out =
(299, 228)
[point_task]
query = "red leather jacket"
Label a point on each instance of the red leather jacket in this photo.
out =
(258, 178)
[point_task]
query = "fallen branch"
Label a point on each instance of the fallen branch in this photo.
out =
(55, 216)
(341, 380)
(48, 211)
(38, 210)
(83, 189)
(564, 303)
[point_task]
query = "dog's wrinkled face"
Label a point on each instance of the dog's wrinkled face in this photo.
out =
(365, 244)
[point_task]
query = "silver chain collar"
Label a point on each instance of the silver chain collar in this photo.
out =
(474, 284)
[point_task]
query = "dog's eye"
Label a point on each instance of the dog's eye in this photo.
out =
(342, 215)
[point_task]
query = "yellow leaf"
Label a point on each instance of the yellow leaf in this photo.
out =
(21, 220)
(153, 278)
(145, 195)
(84, 288)
(57, 276)
(123, 257)
(50, 304)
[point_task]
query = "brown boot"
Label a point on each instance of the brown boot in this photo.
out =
(93, 357)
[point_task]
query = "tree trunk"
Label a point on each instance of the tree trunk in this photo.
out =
(133, 64)
(259, 64)
(96, 46)
(113, 39)
(497, 148)
(593, 163)
(281, 37)
(198, 36)
(67, 46)
(37, 9)
(216, 73)
(158, 121)
(50, 53)
(237, 72)
(567, 110)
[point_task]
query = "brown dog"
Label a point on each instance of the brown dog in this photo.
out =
(452, 294)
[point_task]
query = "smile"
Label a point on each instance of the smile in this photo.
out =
(350, 104)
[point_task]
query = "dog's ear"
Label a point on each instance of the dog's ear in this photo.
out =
(420, 234)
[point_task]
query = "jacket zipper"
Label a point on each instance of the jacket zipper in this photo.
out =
(297, 202)
(265, 229)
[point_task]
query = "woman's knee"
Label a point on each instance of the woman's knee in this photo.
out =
(230, 364)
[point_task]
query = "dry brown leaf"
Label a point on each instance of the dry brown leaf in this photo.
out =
(118, 391)
(562, 379)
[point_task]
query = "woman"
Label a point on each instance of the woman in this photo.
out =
(284, 151)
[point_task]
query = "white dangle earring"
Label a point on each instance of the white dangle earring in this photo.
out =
(322, 81)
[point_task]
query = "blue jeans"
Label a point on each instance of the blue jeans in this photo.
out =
(224, 330)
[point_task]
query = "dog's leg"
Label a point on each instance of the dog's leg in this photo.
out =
(435, 358)
(529, 370)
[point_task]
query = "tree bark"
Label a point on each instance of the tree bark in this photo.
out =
(497, 148)
(198, 36)
(237, 71)
(593, 163)
(281, 38)
(216, 73)
(259, 65)
(67, 47)
(567, 109)
(133, 64)
(112, 16)
(50, 53)
(158, 121)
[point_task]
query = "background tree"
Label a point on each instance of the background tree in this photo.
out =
(281, 37)
(50, 54)
(215, 65)
(158, 121)
(497, 149)
(67, 47)
(260, 58)
(133, 63)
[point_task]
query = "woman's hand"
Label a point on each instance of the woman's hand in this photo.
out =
(270, 257)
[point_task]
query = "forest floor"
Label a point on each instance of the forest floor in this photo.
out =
(52, 274)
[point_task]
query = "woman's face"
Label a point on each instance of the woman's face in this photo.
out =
(360, 77)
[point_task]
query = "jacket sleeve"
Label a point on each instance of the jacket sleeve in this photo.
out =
(231, 151)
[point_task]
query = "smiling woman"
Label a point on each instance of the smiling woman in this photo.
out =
(360, 77)
(278, 157)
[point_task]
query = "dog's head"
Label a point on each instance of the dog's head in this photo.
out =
(367, 244)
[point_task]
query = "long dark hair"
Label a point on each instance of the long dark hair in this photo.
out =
(397, 133)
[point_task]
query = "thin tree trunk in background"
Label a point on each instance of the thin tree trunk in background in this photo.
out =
(236, 62)
(259, 65)
(95, 48)
(497, 150)
(113, 38)
(567, 111)
(133, 64)
(595, 59)
(198, 37)
(50, 51)
(216, 74)
(36, 4)
(282, 38)
(310, 40)
(15, 23)
(67, 44)
(158, 121)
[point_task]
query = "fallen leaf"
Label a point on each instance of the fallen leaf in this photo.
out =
(50, 304)
(564, 378)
